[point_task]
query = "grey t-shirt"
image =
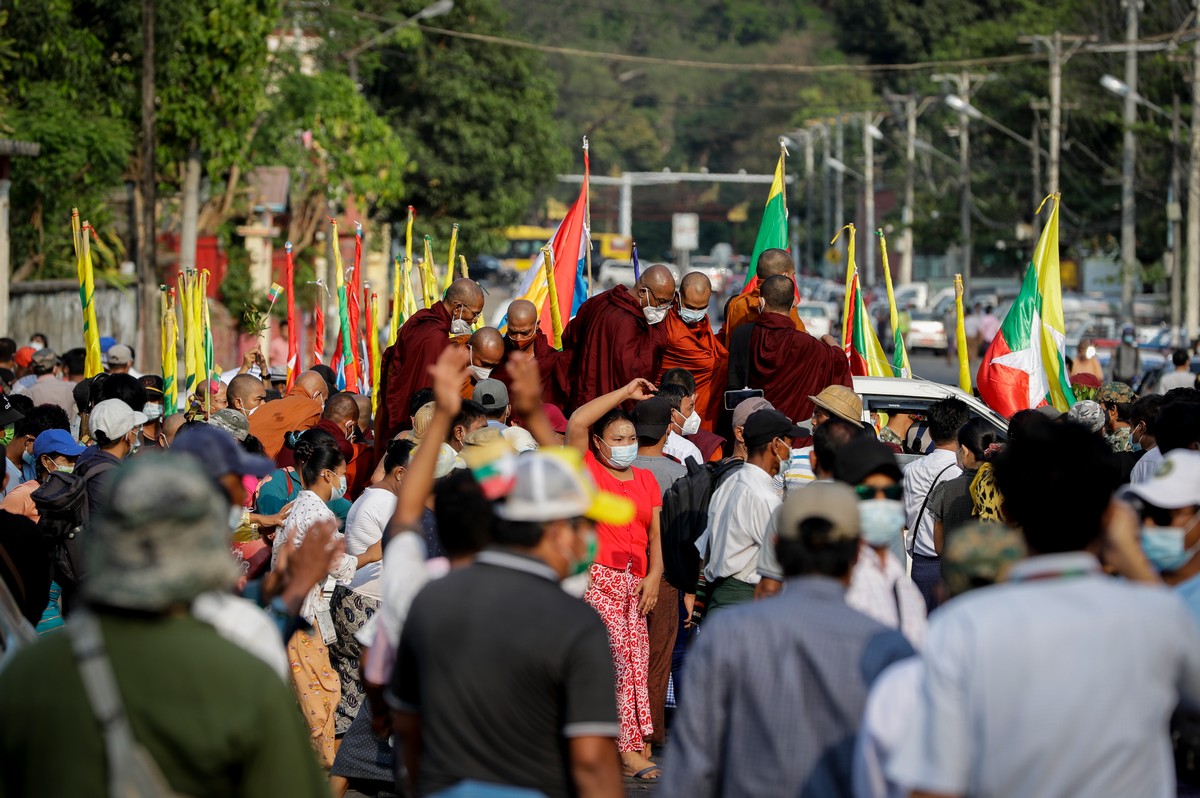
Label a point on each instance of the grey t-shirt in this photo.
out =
(664, 469)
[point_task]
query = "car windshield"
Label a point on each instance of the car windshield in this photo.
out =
(812, 310)
(923, 315)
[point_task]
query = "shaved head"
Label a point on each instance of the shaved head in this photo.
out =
(364, 411)
(171, 425)
(341, 408)
(778, 293)
(466, 294)
(695, 289)
(487, 347)
(522, 323)
(245, 393)
(656, 286)
(774, 262)
(313, 384)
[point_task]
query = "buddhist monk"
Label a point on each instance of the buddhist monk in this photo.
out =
(486, 346)
(788, 365)
(617, 336)
(405, 368)
(299, 410)
(524, 335)
(691, 345)
(743, 308)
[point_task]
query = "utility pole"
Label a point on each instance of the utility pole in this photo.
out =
(839, 180)
(1036, 138)
(1192, 316)
(826, 192)
(963, 81)
(1129, 165)
(148, 277)
(910, 173)
(1054, 46)
(868, 134)
(808, 200)
(1174, 216)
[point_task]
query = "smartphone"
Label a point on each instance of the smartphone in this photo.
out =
(735, 398)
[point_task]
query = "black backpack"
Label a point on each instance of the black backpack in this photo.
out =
(62, 504)
(684, 518)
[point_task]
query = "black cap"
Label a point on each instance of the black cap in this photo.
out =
(219, 453)
(652, 417)
(763, 426)
(8, 413)
(863, 456)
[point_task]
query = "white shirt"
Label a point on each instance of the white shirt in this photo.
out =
(680, 448)
(1175, 379)
(919, 476)
(1059, 682)
(739, 520)
(1146, 466)
(364, 528)
(889, 716)
(880, 589)
(768, 561)
(308, 510)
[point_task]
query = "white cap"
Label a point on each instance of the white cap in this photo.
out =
(552, 485)
(113, 418)
(1175, 484)
(520, 439)
(119, 355)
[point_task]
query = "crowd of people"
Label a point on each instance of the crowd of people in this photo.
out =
(664, 556)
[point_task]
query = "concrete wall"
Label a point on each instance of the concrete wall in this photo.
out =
(52, 307)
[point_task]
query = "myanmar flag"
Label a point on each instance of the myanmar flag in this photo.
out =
(1025, 366)
(862, 346)
(773, 231)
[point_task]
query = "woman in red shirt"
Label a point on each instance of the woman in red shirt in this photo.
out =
(623, 584)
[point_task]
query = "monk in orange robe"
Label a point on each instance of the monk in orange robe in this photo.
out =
(405, 368)
(788, 365)
(524, 335)
(617, 336)
(486, 346)
(743, 308)
(691, 345)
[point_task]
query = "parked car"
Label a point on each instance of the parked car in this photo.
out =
(489, 269)
(926, 331)
(717, 273)
(818, 317)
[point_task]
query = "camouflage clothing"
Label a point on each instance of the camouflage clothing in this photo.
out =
(886, 435)
(1121, 440)
(979, 553)
(1115, 393)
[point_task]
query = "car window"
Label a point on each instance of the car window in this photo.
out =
(816, 311)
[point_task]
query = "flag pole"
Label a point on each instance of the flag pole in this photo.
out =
(555, 313)
(587, 231)
(450, 258)
(960, 337)
(900, 362)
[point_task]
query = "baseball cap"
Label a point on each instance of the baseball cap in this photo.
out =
(840, 401)
(836, 502)
(978, 554)
(748, 407)
(277, 373)
(113, 418)
(1175, 484)
(232, 421)
(552, 484)
(651, 417)
(558, 422)
(8, 413)
(219, 454)
(491, 394)
(1087, 413)
(106, 343)
(520, 439)
(161, 536)
(861, 457)
(118, 355)
(766, 425)
(45, 358)
(1115, 393)
(1051, 412)
(56, 441)
(24, 356)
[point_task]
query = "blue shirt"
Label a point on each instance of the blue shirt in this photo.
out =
(282, 486)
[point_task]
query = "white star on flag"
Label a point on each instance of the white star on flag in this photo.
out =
(1029, 360)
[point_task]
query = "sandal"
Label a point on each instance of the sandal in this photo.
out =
(641, 775)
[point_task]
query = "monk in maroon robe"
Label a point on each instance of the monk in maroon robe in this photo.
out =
(788, 365)
(405, 367)
(616, 336)
(523, 335)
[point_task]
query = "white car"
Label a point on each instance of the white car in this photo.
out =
(926, 331)
(614, 271)
(894, 394)
(817, 317)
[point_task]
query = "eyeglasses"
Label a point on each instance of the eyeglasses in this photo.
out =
(868, 492)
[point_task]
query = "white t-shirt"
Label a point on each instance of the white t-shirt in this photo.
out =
(364, 527)
(681, 449)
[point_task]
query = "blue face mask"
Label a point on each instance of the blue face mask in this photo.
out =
(690, 316)
(27, 458)
(882, 520)
(1163, 547)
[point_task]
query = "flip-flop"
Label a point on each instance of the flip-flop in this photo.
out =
(641, 774)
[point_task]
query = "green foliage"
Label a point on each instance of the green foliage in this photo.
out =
(83, 155)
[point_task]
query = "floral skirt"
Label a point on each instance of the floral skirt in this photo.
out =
(317, 689)
(350, 611)
(614, 596)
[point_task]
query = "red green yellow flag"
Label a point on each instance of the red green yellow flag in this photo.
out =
(773, 231)
(863, 350)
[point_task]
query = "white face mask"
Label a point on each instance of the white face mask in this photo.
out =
(690, 316)
(881, 519)
(36, 345)
(339, 490)
(458, 326)
(480, 373)
(655, 315)
(692, 425)
(622, 456)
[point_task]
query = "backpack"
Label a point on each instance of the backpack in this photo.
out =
(62, 505)
(684, 517)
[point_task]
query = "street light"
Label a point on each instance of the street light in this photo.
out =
(957, 103)
(436, 9)
(841, 168)
(1121, 89)
(874, 132)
